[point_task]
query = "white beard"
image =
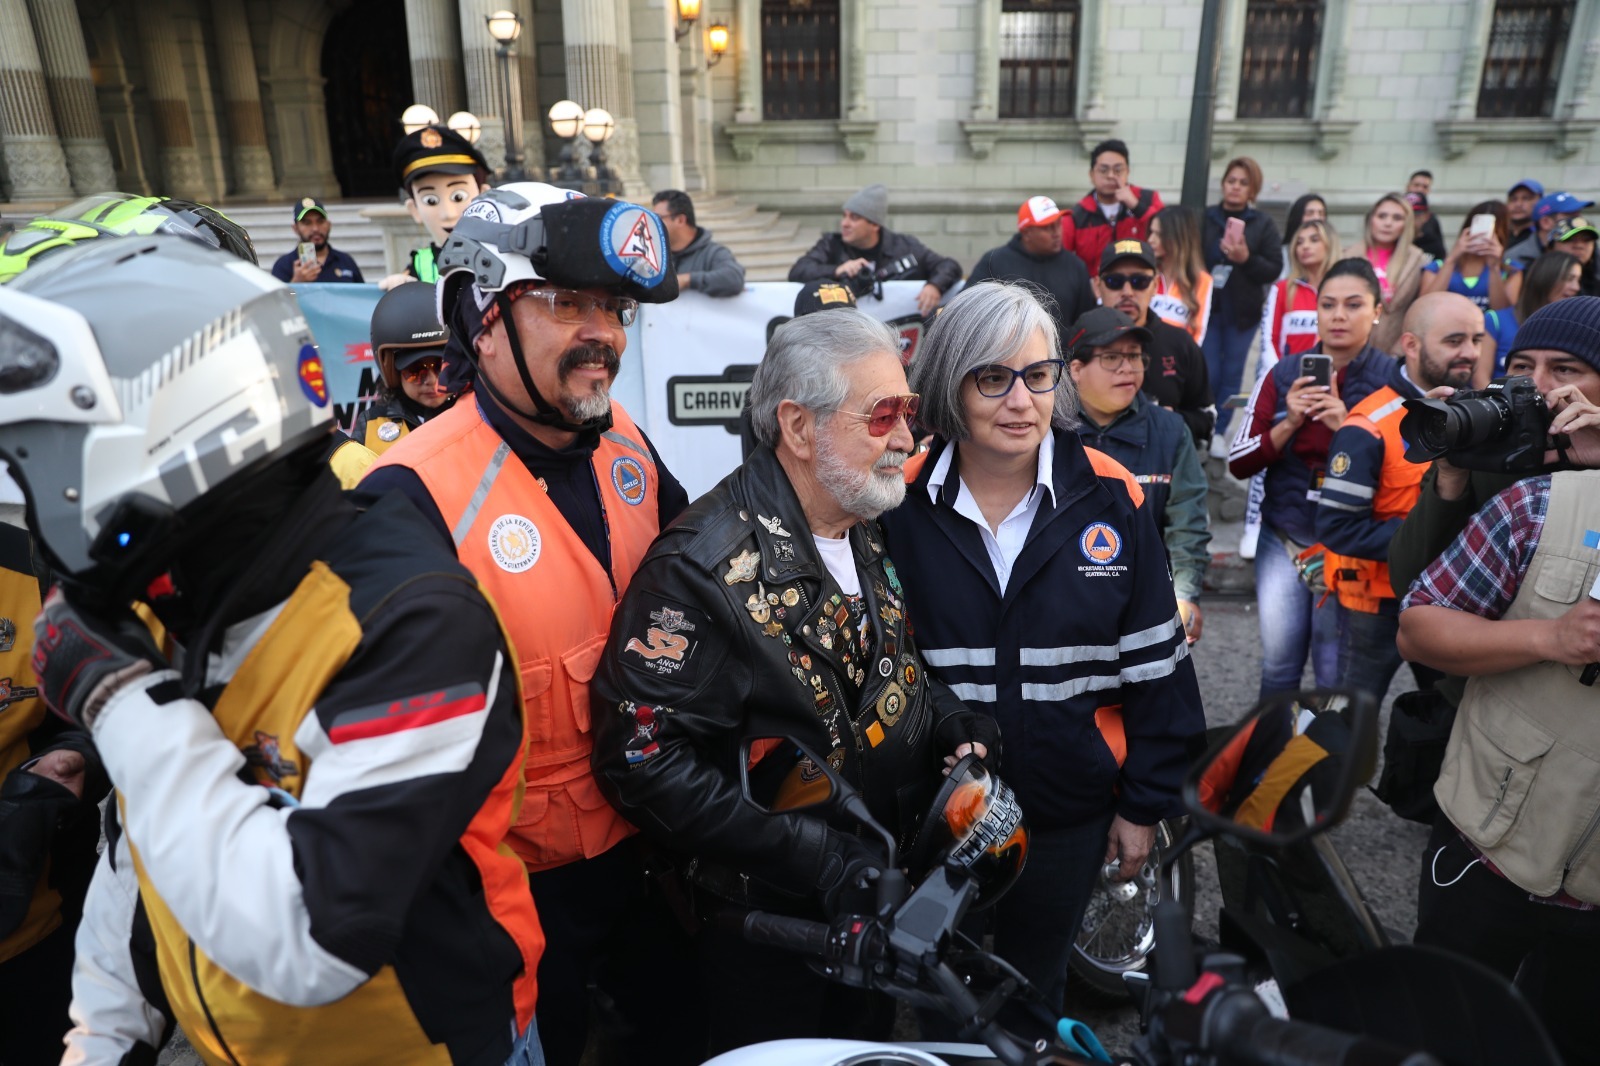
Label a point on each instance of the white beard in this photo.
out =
(865, 494)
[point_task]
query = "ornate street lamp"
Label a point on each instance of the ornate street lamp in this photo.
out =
(417, 116)
(598, 127)
(716, 43)
(566, 119)
(505, 27)
(688, 14)
(466, 124)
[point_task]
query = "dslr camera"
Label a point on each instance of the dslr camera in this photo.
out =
(1503, 428)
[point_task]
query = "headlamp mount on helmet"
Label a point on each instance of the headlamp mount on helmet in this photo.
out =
(536, 232)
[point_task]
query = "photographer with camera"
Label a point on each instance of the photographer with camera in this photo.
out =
(1509, 877)
(1371, 486)
(865, 252)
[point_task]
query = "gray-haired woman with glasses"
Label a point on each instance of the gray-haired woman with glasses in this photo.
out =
(1039, 589)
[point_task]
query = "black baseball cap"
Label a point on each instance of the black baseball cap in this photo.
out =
(307, 204)
(821, 294)
(1127, 250)
(1097, 328)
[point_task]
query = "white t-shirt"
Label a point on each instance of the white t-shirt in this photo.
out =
(840, 561)
(1111, 210)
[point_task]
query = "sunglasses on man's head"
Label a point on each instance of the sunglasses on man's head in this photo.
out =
(886, 413)
(1115, 282)
(422, 368)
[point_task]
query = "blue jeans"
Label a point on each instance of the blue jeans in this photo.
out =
(1368, 655)
(1036, 923)
(527, 1051)
(1292, 625)
(1227, 349)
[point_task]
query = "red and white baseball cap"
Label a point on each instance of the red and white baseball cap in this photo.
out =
(1038, 211)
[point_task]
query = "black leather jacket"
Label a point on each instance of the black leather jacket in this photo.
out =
(898, 257)
(720, 638)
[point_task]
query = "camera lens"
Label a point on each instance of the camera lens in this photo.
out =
(1476, 421)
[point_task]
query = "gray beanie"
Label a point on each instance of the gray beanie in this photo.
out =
(871, 203)
(1571, 325)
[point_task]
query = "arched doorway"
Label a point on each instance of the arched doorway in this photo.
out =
(365, 59)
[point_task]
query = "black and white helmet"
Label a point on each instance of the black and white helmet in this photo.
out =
(530, 231)
(137, 375)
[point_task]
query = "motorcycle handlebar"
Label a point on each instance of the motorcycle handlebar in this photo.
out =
(790, 934)
(1241, 1031)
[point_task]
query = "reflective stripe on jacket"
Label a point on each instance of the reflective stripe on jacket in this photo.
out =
(555, 597)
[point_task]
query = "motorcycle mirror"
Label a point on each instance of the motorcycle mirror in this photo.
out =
(780, 774)
(1288, 770)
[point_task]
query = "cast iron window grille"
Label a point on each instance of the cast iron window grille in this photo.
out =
(799, 59)
(1038, 42)
(1281, 41)
(1522, 66)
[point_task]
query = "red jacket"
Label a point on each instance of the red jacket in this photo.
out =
(1086, 231)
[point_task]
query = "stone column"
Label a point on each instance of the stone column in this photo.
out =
(433, 36)
(486, 94)
(66, 69)
(241, 94)
(599, 75)
(694, 88)
(747, 30)
(35, 165)
(182, 173)
(657, 95)
(527, 61)
(986, 59)
(114, 100)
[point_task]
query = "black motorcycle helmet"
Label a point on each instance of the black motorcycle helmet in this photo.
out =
(405, 328)
(976, 824)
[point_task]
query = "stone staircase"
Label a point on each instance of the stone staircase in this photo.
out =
(765, 242)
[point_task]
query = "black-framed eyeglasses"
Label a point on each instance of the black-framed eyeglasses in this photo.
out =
(1117, 360)
(574, 308)
(995, 380)
(885, 414)
(1115, 282)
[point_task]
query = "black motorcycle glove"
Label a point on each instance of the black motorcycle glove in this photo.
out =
(971, 727)
(82, 660)
(849, 868)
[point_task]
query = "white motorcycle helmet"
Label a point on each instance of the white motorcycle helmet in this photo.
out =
(138, 375)
(533, 232)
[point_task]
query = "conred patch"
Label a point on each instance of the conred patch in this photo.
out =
(627, 477)
(514, 543)
(1339, 465)
(1100, 543)
(663, 641)
(634, 244)
(313, 382)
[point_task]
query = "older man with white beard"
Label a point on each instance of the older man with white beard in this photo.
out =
(770, 608)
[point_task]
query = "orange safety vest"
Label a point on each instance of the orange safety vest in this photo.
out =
(554, 597)
(1363, 584)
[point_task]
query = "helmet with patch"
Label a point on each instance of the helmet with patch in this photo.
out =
(118, 214)
(404, 326)
(137, 376)
(975, 825)
(530, 231)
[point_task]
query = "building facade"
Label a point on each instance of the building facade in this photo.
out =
(962, 107)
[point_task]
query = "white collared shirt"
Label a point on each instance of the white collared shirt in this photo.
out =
(1004, 547)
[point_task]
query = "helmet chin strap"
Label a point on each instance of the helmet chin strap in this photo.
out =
(544, 413)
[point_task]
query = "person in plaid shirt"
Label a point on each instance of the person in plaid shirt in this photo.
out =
(1511, 874)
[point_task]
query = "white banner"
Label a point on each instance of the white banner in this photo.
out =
(696, 356)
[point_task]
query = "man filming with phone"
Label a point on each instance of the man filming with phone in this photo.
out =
(1510, 876)
(314, 259)
(1370, 487)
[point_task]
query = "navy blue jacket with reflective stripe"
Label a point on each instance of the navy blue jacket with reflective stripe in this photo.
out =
(1088, 621)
